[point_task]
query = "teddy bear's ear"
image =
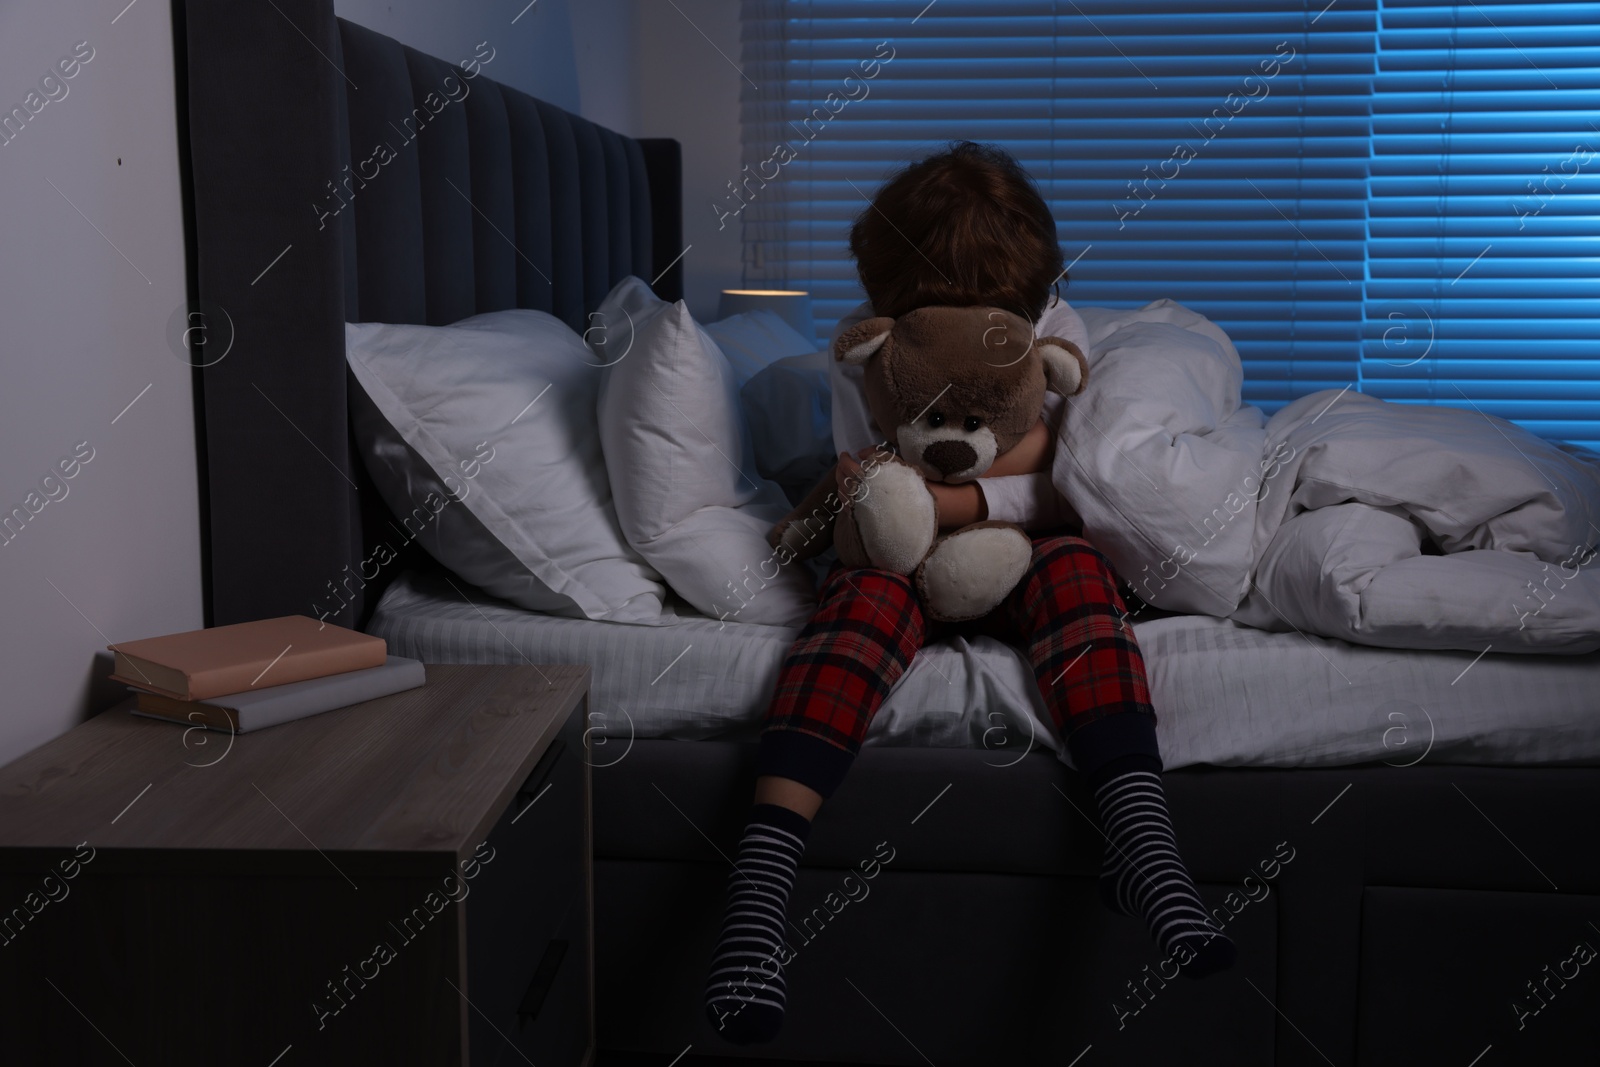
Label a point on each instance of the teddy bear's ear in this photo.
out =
(1065, 369)
(858, 344)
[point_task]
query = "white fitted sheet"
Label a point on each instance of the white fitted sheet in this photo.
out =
(1224, 694)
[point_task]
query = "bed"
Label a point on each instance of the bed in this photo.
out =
(1405, 857)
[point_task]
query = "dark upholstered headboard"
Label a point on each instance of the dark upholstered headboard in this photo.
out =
(335, 175)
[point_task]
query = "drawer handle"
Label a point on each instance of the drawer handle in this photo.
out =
(547, 764)
(543, 978)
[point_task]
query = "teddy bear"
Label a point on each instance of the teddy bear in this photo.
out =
(952, 389)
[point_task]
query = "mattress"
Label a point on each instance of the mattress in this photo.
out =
(1224, 694)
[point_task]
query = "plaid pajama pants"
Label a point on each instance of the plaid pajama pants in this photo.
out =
(1066, 613)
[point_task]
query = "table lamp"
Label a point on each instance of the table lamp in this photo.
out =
(791, 305)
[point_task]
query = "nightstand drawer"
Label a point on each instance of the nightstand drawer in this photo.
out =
(527, 920)
(551, 1022)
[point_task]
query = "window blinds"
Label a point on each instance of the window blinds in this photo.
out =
(1483, 258)
(1269, 163)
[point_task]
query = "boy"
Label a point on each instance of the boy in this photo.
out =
(964, 227)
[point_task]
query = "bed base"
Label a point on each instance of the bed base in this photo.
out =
(1383, 915)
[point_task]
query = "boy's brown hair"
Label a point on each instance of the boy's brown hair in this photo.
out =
(965, 226)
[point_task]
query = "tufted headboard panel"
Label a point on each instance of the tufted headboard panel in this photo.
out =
(336, 175)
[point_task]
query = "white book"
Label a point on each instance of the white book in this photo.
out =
(258, 708)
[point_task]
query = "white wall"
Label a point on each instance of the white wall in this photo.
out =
(83, 324)
(689, 89)
(84, 314)
(646, 68)
(577, 54)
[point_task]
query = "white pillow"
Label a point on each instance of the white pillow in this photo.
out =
(681, 466)
(754, 340)
(487, 427)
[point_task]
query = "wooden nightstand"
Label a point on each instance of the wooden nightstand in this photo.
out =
(406, 881)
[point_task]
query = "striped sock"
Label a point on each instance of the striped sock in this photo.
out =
(1143, 874)
(745, 989)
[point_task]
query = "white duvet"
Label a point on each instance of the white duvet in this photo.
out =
(1400, 525)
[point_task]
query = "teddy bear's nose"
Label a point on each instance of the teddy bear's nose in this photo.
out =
(950, 456)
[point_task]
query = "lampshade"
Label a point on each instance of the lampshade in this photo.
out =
(791, 305)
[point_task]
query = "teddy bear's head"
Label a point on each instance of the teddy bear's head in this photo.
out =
(955, 387)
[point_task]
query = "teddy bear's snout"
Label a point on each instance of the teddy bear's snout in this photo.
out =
(950, 457)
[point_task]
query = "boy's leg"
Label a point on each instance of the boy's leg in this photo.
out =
(1091, 674)
(866, 630)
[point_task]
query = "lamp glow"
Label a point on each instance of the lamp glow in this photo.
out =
(791, 305)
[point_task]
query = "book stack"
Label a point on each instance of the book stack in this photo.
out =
(255, 674)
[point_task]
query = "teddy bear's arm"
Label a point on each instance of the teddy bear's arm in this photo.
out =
(808, 530)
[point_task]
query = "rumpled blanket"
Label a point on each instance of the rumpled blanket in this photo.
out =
(1401, 525)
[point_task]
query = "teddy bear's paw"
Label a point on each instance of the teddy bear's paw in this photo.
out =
(895, 518)
(969, 572)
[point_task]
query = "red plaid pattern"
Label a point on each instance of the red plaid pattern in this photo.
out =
(1066, 612)
(847, 658)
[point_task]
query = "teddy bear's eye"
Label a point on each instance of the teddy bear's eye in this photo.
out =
(935, 420)
(972, 423)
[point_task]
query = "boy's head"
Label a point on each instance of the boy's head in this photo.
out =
(963, 227)
(953, 388)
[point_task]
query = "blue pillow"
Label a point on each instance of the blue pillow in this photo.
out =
(754, 340)
(789, 409)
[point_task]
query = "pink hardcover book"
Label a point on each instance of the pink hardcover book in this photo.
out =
(223, 660)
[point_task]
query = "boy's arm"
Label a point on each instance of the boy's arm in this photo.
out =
(1030, 500)
(1028, 456)
(1016, 488)
(959, 505)
(968, 502)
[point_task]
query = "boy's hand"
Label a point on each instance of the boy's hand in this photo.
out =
(848, 472)
(845, 470)
(849, 467)
(959, 505)
(1028, 456)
